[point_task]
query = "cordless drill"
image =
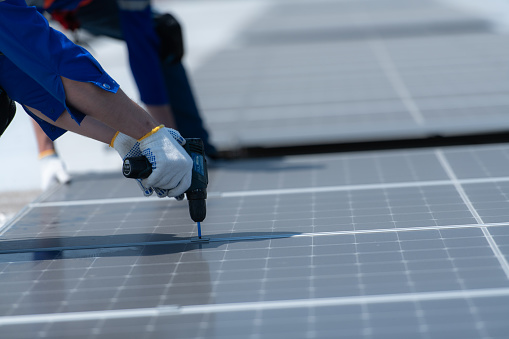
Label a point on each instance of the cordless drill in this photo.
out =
(141, 168)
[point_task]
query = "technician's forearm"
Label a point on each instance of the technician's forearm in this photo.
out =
(162, 114)
(116, 110)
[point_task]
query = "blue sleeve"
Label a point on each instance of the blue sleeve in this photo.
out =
(43, 55)
(143, 47)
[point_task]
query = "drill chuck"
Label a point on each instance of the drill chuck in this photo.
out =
(141, 168)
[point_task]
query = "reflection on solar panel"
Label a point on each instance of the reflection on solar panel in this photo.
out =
(388, 244)
(383, 244)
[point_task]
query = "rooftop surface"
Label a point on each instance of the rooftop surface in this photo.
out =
(406, 243)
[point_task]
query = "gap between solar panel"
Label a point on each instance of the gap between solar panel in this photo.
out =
(342, 147)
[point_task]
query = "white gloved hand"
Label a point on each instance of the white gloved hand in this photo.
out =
(171, 165)
(161, 193)
(130, 147)
(53, 171)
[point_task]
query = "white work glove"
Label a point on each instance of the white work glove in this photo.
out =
(171, 165)
(130, 147)
(53, 171)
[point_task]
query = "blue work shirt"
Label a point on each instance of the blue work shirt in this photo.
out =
(34, 58)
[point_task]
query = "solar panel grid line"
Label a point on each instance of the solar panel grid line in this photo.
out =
(418, 308)
(473, 309)
(282, 191)
(170, 310)
(362, 287)
(495, 248)
(85, 316)
(93, 202)
(452, 176)
(396, 81)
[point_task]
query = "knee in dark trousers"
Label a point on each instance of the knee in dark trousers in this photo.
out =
(7, 110)
(170, 33)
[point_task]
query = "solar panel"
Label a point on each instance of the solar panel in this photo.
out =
(345, 71)
(385, 244)
(364, 254)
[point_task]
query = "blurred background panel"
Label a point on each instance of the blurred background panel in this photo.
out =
(315, 72)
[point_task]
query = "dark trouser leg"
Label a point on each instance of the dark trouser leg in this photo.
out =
(101, 18)
(184, 105)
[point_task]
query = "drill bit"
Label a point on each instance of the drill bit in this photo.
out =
(199, 229)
